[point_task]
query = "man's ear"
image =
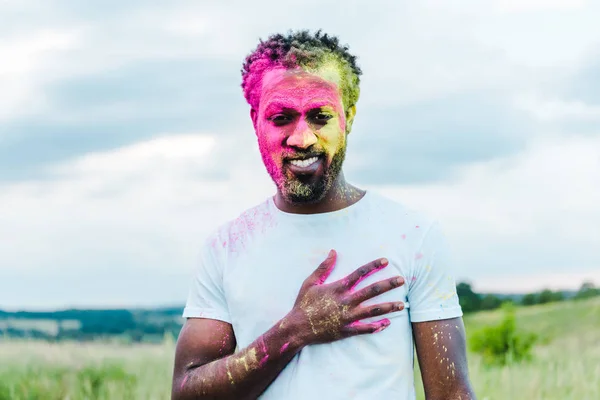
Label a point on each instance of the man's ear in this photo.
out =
(254, 117)
(350, 113)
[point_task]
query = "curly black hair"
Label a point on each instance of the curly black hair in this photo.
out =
(300, 49)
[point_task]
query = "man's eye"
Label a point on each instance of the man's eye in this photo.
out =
(321, 117)
(280, 119)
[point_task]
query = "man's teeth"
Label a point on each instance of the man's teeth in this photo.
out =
(304, 163)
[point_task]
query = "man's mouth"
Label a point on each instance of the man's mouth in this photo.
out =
(305, 166)
(304, 163)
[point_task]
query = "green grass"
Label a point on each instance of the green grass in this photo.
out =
(32, 370)
(566, 363)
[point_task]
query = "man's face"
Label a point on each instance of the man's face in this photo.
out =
(301, 129)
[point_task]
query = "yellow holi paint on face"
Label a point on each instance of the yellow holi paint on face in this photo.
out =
(311, 52)
(330, 71)
(301, 115)
(299, 89)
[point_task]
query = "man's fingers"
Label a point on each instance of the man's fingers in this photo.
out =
(361, 273)
(324, 269)
(376, 289)
(359, 328)
(377, 310)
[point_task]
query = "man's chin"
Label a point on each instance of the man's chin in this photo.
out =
(299, 200)
(298, 193)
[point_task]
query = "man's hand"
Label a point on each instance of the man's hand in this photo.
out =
(327, 312)
(206, 369)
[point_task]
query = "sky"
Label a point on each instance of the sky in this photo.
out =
(125, 138)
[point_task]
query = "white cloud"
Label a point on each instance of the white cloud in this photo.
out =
(528, 283)
(512, 6)
(556, 109)
(544, 37)
(24, 68)
(141, 210)
(145, 207)
(534, 214)
(118, 202)
(410, 51)
(514, 223)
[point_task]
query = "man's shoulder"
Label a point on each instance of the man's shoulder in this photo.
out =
(254, 219)
(397, 212)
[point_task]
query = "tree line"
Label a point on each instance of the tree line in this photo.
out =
(471, 301)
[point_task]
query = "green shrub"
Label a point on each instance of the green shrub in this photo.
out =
(586, 291)
(530, 299)
(503, 343)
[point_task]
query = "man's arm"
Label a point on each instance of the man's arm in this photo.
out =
(205, 367)
(442, 359)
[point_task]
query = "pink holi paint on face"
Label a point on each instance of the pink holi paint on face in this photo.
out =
(298, 111)
(403, 236)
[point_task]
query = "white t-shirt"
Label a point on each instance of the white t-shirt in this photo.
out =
(253, 267)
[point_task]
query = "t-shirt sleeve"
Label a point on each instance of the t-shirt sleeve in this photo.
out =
(432, 288)
(206, 298)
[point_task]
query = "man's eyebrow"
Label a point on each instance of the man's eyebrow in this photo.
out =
(282, 106)
(321, 104)
(279, 106)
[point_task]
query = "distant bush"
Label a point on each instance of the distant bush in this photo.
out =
(468, 299)
(586, 291)
(503, 343)
(530, 299)
(548, 296)
(490, 302)
(543, 297)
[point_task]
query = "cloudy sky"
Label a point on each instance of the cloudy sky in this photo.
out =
(125, 138)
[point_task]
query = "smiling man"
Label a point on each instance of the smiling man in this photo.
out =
(324, 290)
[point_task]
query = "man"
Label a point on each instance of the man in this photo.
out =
(318, 292)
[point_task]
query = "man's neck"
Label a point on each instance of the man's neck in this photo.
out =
(341, 195)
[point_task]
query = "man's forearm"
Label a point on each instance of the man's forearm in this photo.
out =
(245, 374)
(462, 392)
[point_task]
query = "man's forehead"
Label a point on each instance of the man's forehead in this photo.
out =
(325, 76)
(290, 88)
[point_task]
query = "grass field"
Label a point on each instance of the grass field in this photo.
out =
(566, 363)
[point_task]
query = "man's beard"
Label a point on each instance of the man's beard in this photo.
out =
(297, 192)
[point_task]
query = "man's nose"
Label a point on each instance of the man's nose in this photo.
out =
(302, 136)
